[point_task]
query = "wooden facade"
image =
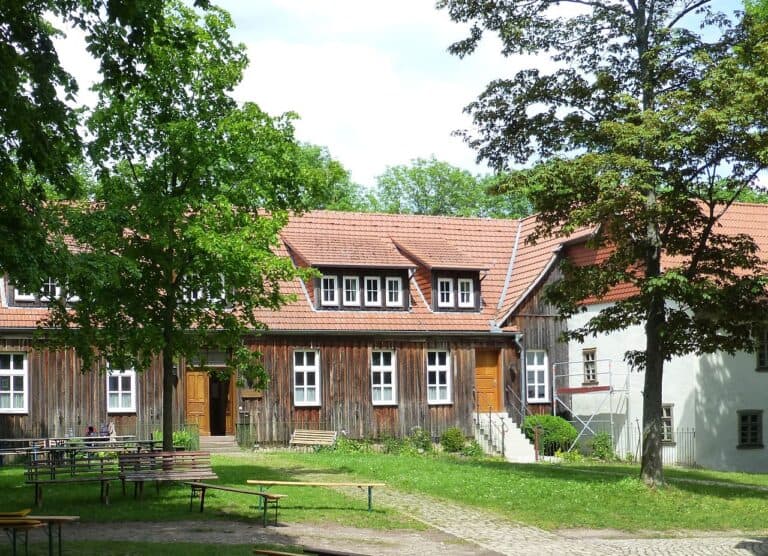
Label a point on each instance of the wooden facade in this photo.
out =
(63, 400)
(345, 386)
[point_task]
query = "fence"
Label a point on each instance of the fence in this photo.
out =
(680, 451)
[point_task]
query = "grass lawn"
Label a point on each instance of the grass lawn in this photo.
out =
(559, 496)
(309, 504)
(547, 496)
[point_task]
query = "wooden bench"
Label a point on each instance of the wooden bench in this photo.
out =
(369, 486)
(49, 468)
(267, 499)
(159, 467)
(307, 437)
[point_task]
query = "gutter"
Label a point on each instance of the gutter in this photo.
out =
(518, 339)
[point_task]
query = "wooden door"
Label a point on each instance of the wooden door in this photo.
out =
(197, 408)
(487, 380)
(230, 424)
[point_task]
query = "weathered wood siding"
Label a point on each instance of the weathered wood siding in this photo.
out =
(63, 400)
(345, 387)
(542, 327)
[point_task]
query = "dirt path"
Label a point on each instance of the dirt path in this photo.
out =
(365, 541)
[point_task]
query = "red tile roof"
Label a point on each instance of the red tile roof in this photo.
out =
(510, 267)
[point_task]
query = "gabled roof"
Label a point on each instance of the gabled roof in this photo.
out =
(438, 242)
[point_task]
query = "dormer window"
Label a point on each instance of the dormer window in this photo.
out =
(466, 293)
(351, 290)
(50, 290)
(394, 291)
(328, 291)
(20, 295)
(444, 292)
(373, 291)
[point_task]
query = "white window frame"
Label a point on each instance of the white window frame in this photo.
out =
(398, 289)
(377, 301)
(332, 299)
(470, 293)
(533, 369)
(381, 386)
(12, 373)
(305, 370)
(761, 350)
(434, 395)
(122, 373)
(350, 302)
(19, 295)
(449, 291)
(589, 361)
(667, 423)
(56, 290)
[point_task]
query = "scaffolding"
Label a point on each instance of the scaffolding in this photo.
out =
(595, 384)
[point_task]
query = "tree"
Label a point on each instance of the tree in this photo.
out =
(177, 252)
(434, 187)
(649, 126)
(40, 145)
(333, 189)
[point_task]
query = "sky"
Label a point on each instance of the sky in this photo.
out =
(372, 81)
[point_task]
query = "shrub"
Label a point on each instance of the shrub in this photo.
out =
(574, 456)
(420, 440)
(452, 440)
(602, 447)
(556, 433)
(472, 449)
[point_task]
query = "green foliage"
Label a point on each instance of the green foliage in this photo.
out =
(420, 440)
(434, 187)
(602, 447)
(472, 449)
(192, 192)
(346, 445)
(645, 131)
(452, 440)
(572, 456)
(555, 433)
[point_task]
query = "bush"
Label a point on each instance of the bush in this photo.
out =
(420, 440)
(556, 433)
(472, 449)
(574, 456)
(602, 447)
(452, 440)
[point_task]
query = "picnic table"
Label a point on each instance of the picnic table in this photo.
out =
(266, 484)
(23, 521)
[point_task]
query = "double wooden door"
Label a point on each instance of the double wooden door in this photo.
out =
(199, 403)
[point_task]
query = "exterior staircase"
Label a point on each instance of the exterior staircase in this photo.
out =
(512, 444)
(219, 445)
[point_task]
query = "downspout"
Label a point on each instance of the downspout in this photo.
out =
(518, 339)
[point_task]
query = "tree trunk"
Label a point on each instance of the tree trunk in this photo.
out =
(169, 384)
(651, 466)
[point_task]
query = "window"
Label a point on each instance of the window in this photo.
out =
(590, 365)
(762, 349)
(19, 295)
(444, 292)
(394, 292)
(50, 290)
(351, 290)
(466, 293)
(372, 287)
(666, 423)
(536, 376)
(438, 377)
(306, 377)
(750, 428)
(13, 383)
(121, 391)
(383, 389)
(328, 290)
